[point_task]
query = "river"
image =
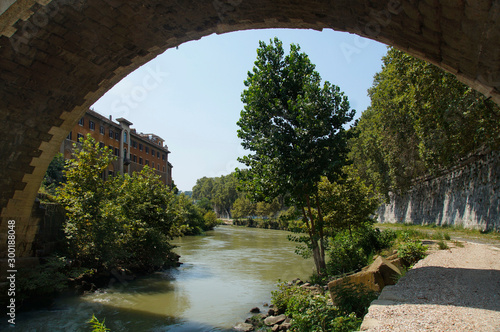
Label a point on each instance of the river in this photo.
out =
(224, 274)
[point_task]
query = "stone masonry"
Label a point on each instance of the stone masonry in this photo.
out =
(57, 57)
(467, 195)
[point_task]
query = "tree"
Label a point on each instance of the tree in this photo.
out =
(421, 120)
(293, 126)
(121, 221)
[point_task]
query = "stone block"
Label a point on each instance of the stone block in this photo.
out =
(387, 270)
(371, 279)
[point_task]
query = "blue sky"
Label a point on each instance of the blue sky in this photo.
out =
(190, 96)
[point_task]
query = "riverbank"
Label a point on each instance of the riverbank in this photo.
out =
(450, 290)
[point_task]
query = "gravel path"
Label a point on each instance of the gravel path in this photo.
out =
(450, 290)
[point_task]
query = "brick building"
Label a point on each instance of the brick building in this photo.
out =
(133, 150)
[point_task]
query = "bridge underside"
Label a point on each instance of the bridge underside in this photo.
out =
(58, 57)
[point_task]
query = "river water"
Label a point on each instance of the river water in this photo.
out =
(224, 274)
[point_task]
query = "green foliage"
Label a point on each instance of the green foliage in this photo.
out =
(354, 298)
(347, 203)
(443, 245)
(54, 176)
(220, 193)
(349, 252)
(210, 220)
(96, 325)
(294, 127)
(46, 279)
(412, 252)
(421, 120)
(312, 312)
(122, 221)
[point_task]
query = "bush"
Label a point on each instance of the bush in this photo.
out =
(46, 279)
(411, 252)
(350, 253)
(353, 298)
(312, 312)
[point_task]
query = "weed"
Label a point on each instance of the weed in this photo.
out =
(442, 245)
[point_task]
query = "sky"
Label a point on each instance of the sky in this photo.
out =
(191, 95)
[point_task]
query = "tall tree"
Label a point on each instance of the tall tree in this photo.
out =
(421, 120)
(294, 127)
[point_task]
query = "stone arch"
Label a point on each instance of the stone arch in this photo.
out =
(57, 57)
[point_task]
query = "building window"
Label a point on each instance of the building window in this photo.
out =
(163, 169)
(140, 147)
(117, 136)
(101, 145)
(158, 154)
(147, 149)
(134, 144)
(153, 164)
(70, 136)
(117, 152)
(125, 137)
(101, 130)
(153, 152)
(163, 156)
(111, 134)
(91, 125)
(81, 122)
(158, 167)
(134, 158)
(140, 160)
(78, 136)
(147, 162)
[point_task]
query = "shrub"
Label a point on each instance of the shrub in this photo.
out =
(312, 312)
(353, 298)
(350, 252)
(46, 279)
(411, 252)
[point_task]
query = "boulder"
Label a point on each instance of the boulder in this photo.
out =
(255, 310)
(379, 274)
(243, 327)
(273, 320)
(388, 270)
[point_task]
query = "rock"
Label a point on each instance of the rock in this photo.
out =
(388, 270)
(275, 328)
(285, 326)
(243, 327)
(305, 285)
(272, 320)
(271, 312)
(371, 279)
(379, 274)
(255, 310)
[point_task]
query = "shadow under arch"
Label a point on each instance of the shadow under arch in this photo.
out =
(57, 57)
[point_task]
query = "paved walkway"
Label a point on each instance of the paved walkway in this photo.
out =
(449, 290)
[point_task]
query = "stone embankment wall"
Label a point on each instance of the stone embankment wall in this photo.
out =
(467, 195)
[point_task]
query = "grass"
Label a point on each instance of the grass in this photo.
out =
(442, 245)
(445, 232)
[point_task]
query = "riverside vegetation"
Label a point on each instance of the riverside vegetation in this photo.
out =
(119, 225)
